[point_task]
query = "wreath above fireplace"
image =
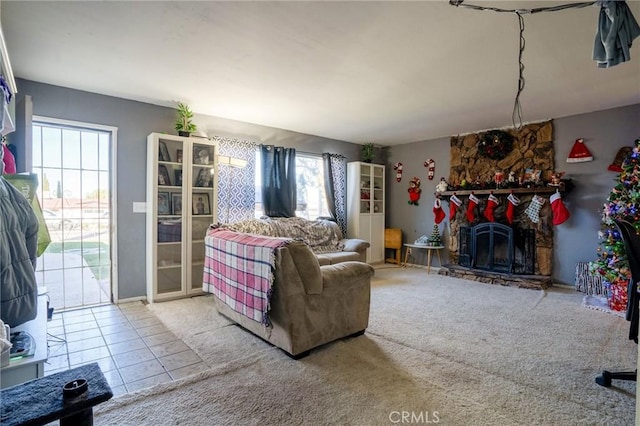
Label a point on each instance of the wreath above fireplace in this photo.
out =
(495, 144)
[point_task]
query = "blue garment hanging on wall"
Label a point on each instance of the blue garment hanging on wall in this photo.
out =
(617, 28)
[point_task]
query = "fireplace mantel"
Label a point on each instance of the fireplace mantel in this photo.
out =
(506, 191)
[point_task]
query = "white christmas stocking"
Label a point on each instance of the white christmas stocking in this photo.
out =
(533, 210)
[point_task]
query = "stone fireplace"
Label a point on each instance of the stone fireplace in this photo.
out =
(518, 253)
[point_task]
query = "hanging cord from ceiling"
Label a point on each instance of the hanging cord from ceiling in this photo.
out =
(516, 115)
(523, 11)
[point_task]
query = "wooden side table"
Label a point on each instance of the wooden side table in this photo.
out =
(429, 250)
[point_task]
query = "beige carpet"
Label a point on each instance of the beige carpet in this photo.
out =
(441, 349)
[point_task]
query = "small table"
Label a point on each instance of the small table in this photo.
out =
(423, 247)
(40, 401)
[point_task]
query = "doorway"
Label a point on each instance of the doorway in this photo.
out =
(73, 162)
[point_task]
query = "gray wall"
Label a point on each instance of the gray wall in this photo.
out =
(576, 240)
(135, 120)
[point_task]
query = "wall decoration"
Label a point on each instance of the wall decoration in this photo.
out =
(579, 152)
(414, 191)
(495, 144)
(431, 164)
(623, 153)
(398, 168)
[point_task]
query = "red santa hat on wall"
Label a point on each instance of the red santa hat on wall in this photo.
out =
(579, 153)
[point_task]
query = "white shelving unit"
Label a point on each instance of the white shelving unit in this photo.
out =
(181, 204)
(365, 206)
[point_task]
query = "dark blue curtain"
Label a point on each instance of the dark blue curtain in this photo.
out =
(278, 181)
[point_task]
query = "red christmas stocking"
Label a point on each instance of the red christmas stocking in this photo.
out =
(473, 202)
(492, 203)
(437, 211)
(454, 203)
(560, 212)
(513, 203)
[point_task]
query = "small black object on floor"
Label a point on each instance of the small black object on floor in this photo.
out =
(43, 400)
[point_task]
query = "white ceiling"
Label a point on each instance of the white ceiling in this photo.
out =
(385, 72)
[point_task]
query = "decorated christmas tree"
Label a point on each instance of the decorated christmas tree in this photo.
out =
(434, 239)
(623, 203)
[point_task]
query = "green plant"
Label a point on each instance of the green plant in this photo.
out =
(368, 152)
(185, 115)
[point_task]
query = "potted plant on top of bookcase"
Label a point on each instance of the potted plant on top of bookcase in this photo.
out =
(368, 152)
(184, 125)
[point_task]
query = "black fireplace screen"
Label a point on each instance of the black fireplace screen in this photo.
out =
(498, 248)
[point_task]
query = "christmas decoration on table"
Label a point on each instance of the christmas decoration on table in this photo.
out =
(437, 211)
(623, 203)
(579, 152)
(622, 154)
(533, 210)
(435, 239)
(495, 144)
(560, 212)
(414, 191)
(398, 168)
(492, 203)
(513, 203)
(473, 202)
(454, 203)
(432, 168)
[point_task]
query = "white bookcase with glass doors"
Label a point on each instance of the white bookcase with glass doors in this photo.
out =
(181, 204)
(365, 206)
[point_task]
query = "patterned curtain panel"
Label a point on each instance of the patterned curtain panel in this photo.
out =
(278, 181)
(335, 181)
(236, 187)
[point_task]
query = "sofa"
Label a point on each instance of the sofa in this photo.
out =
(324, 237)
(307, 305)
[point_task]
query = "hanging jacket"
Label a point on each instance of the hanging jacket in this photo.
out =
(18, 247)
(617, 28)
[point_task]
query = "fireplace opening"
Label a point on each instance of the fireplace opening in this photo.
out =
(497, 248)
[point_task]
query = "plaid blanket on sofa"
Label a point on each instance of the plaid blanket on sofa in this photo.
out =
(238, 270)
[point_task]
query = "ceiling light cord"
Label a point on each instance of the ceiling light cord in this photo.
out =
(523, 11)
(516, 115)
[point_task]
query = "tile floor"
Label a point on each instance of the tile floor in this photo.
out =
(133, 348)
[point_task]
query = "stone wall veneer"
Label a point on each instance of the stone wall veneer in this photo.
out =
(532, 148)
